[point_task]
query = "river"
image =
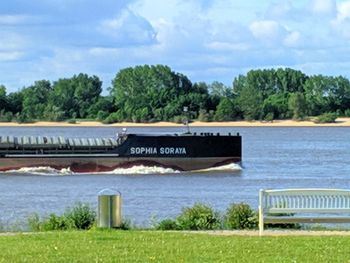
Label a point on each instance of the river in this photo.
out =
(272, 158)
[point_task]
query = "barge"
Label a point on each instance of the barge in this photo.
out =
(183, 152)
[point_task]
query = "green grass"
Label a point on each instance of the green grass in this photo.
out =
(153, 246)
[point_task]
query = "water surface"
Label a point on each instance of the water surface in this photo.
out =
(272, 158)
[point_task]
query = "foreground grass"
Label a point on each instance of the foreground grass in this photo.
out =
(153, 246)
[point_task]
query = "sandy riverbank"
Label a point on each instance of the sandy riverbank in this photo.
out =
(340, 122)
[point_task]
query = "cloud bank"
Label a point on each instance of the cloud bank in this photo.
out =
(206, 40)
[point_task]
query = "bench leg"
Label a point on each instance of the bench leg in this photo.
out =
(261, 221)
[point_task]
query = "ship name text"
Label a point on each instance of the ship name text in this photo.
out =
(155, 150)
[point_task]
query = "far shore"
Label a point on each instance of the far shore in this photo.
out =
(340, 122)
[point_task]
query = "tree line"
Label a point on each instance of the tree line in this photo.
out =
(152, 93)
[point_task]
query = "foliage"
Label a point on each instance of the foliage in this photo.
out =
(5, 116)
(225, 111)
(241, 216)
(297, 105)
(72, 121)
(328, 117)
(167, 224)
(198, 217)
(81, 216)
(150, 93)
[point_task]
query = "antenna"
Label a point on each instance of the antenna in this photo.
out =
(185, 109)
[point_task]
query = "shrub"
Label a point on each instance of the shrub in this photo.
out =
(101, 115)
(180, 119)
(112, 118)
(167, 224)
(55, 222)
(328, 117)
(347, 113)
(269, 117)
(82, 216)
(34, 222)
(198, 217)
(5, 116)
(241, 216)
(72, 121)
(204, 116)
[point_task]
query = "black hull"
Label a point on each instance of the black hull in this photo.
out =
(186, 152)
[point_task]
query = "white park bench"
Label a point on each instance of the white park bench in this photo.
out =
(303, 206)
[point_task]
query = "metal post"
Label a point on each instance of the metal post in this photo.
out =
(109, 209)
(261, 213)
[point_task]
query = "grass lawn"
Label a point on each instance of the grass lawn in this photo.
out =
(153, 246)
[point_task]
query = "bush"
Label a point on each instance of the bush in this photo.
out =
(167, 224)
(204, 116)
(241, 216)
(81, 216)
(198, 217)
(180, 119)
(5, 116)
(328, 117)
(72, 121)
(102, 115)
(55, 222)
(269, 117)
(347, 113)
(112, 118)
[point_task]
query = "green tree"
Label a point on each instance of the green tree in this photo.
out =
(87, 92)
(317, 91)
(297, 105)
(35, 99)
(75, 96)
(3, 99)
(249, 98)
(276, 106)
(155, 92)
(15, 102)
(225, 110)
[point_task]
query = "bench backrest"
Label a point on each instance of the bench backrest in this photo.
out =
(305, 201)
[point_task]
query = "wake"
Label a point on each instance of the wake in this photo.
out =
(138, 169)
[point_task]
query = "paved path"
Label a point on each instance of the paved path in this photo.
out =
(276, 232)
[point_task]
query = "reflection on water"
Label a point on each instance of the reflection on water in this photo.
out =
(272, 158)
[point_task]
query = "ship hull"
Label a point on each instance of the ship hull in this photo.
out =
(183, 152)
(103, 164)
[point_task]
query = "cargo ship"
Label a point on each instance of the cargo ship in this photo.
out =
(183, 152)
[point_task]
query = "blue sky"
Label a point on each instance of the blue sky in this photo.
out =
(206, 40)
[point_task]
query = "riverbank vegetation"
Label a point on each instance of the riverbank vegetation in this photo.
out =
(239, 216)
(160, 246)
(157, 93)
(63, 240)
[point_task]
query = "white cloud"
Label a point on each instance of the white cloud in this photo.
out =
(279, 9)
(128, 28)
(323, 7)
(267, 31)
(341, 23)
(209, 40)
(11, 41)
(292, 39)
(13, 19)
(10, 56)
(343, 9)
(227, 46)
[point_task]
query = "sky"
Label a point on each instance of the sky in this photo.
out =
(207, 40)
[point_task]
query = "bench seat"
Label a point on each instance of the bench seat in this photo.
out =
(303, 206)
